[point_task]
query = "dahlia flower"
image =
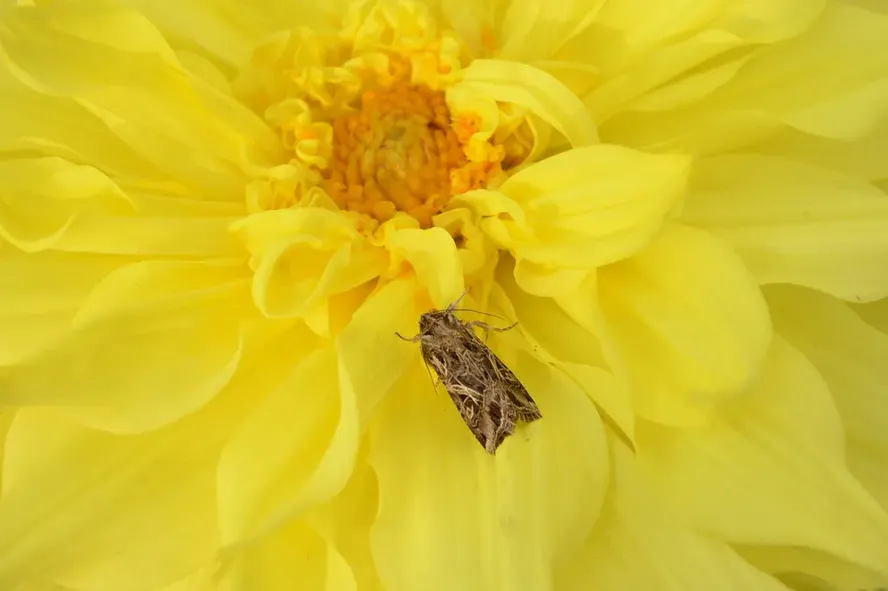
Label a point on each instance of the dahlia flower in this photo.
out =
(215, 216)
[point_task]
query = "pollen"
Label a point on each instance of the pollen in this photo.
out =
(400, 151)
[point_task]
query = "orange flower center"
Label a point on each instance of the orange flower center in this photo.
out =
(402, 152)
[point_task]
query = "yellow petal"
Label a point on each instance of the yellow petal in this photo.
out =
(781, 86)
(41, 295)
(433, 256)
(796, 223)
(874, 313)
(226, 35)
(771, 470)
(547, 325)
(541, 93)
(532, 30)
(302, 257)
(589, 207)
(293, 555)
(52, 203)
(58, 126)
(561, 340)
(141, 508)
(372, 329)
(850, 356)
(297, 448)
(453, 517)
(689, 321)
(42, 197)
(861, 158)
(153, 342)
(276, 450)
(636, 544)
(805, 569)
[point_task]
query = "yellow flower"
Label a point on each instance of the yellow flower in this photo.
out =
(214, 216)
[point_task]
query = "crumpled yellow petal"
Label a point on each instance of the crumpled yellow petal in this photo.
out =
(453, 517)
(303, 256)
(795, 223)
(41, 294)
(435, 261)
(850, 355)
(114, 64)
(636, 544)
(153, 342)
(51, 203)
(783, 85)
(539, 92)
(64, 482)
(42, 197)
(583, 208)
(690, 324)
(771, 470)
(656, 56)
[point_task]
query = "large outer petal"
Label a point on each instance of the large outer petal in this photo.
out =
(452, 516)
(795, 223)
(689, 322)
(93, 510)
(296, 449)
(851, 357)
(771, 470)
(153, 342)
(637, 544)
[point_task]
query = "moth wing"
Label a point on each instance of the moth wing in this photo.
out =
(525, 407)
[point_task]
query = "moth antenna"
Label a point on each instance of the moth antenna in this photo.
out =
(452, 306)
(487, 327)
(478, 312)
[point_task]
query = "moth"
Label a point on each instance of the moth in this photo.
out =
(488, 396)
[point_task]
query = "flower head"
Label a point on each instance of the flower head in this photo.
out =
(215, 218)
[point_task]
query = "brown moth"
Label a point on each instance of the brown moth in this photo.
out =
(486, 393)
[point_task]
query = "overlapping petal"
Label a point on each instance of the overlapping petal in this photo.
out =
(784, 446)
(583, 208)
(781, 85)
(176, 330)
(850, 355)
(296, 449)
(139, 506)
(795, 223)
(637, 544)
(689, 322)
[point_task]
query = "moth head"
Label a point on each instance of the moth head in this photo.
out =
(430, 320)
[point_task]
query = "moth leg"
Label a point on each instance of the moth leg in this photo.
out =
(411, 339)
